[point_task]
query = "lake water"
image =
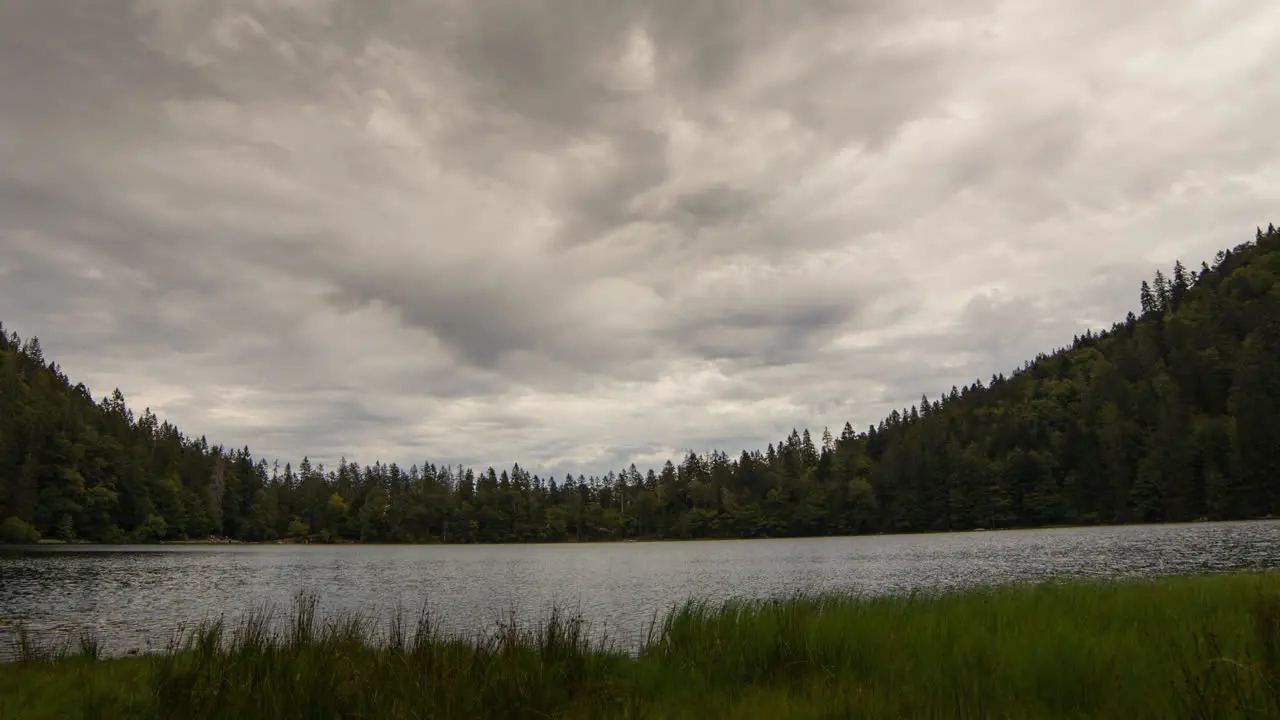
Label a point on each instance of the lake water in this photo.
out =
(133, 598)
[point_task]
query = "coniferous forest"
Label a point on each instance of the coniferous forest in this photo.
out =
(1170, 415)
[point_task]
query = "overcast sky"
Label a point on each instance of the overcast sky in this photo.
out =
(579, 234)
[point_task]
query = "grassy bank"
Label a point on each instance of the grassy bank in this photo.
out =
(1203, 647)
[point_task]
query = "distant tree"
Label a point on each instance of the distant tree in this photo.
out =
(1181, 283)
(298, 528)
(14, 530)
(1162, 292)
(153, 528)
(1148, 299)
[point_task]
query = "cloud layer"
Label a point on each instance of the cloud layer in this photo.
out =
(579, 234)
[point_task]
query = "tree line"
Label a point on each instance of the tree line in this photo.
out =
(1169, 415)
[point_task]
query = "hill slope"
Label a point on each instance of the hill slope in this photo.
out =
(1167, 416)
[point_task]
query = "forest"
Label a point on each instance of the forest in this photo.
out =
(1169, 415)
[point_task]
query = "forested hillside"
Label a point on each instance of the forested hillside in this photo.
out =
(1168, 416)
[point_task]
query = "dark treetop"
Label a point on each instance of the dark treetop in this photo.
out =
(1168, 416)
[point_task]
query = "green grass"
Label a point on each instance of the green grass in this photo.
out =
(1194, 647)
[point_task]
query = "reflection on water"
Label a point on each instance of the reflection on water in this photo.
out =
(134, 598)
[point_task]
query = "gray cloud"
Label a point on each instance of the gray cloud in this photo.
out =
(580, 234)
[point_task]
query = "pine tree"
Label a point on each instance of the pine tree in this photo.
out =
(1148, 303)
(1161, 287)
(1180, 285)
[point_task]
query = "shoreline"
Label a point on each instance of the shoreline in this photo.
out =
(54, 543)
(1181, 646)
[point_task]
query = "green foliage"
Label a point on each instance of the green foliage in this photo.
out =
(1171, 416)
(14, 530)
(298, 528)
(1186, 647)
(153, 528)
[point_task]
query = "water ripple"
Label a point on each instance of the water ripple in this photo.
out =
(134, 598)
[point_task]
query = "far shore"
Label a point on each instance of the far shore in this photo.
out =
(45, 543)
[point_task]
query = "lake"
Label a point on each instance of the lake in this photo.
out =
(134, 597)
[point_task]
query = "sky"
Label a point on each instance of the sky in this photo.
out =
(577, 235)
